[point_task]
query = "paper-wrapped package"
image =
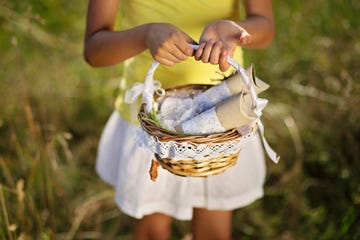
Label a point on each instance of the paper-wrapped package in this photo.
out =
(176, 110)
(227, 88)
(234, 112)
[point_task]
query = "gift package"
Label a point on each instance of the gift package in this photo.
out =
(199, 130)
(221, 107)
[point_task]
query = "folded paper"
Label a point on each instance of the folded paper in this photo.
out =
(231, 104)
(234, 112)
(227, 88)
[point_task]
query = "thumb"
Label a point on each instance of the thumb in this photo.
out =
(245, 38)
(189, 41)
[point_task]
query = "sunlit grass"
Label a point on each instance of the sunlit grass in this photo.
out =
(53, 107)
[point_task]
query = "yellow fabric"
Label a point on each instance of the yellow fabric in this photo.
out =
(191, 17)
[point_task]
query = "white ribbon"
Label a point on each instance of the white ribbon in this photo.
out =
(131, 97)
(146, 89)
(258, 105)
(269, 151)
(132, 94)
(244, 130)
(139, 88)
(150, 86)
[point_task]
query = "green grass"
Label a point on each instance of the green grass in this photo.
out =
(53, 107)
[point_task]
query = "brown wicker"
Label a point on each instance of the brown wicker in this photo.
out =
(195, 168)
(186, 168)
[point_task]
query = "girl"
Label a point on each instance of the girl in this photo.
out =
(162, 30)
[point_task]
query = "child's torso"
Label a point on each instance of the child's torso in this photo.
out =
(188, 15)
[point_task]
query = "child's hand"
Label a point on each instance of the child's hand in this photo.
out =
(219, 40)
(167, 44)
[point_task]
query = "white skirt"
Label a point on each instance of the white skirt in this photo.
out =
(121, 163)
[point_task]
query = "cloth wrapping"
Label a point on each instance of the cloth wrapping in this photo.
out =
(217, 114)
(232, 113)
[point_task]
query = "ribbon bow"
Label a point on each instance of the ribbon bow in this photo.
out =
(151, 86)
(132, 94)
(147, 91)
(139, 88)
(269, 151)
(258, 105)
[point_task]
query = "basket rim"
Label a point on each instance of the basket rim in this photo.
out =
(197, 168)
(165, 135)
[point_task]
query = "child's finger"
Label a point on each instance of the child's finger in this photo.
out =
(245, 38)
(223, 63)
(199, 51)
(169, 57)
(166, 62)
(215, 53)
(183, 45)
(207, 51)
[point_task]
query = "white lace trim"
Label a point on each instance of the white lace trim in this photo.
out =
(188, 151)
(205, 123)
(173, 111)
(212, 96)
(174, 150)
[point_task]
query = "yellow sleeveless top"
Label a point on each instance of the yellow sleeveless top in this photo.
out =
(191, 17)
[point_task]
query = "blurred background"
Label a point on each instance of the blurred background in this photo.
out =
(53, 107)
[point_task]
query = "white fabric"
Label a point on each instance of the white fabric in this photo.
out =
(126, 167)
(257, 104)
(175, 110)
(149, 87)
(188, 151)
(205, 123)
(212, 96)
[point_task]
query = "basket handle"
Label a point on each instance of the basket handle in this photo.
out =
(150, 87)
(258, 104)
(244, 76)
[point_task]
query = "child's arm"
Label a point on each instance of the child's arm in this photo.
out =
(259, 23)
(104, 46)
(219, 39)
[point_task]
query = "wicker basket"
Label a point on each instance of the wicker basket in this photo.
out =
(193, 168)
(205, 165)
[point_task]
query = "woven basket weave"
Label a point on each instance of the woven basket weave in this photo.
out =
(209, 164)
(186, 168)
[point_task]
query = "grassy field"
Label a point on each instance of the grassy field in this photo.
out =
(53, 107)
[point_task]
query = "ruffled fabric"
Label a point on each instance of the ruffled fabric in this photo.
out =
(121, 163)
